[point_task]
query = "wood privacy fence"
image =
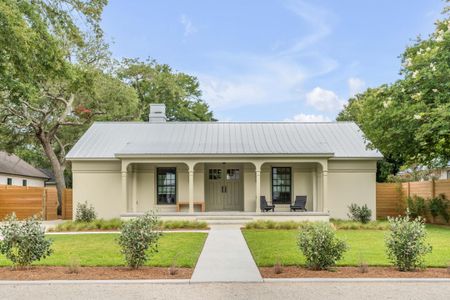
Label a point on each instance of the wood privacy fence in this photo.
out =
(28, 201)
(391, 197)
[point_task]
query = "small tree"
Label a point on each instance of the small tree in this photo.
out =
(416, 207)
(85, 213)
(24, 242)
(139, 239)
(438, 206)
(321, 247)
(359, 213)
(405, 243)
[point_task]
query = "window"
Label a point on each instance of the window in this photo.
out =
(448, 174)
(166, 185)
(281, 185)
(232, 174)
(215, 174)
(9, 181)
(24, 182)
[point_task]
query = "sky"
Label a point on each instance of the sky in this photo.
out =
(273, 60)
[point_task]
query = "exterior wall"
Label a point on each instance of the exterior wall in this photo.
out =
(445, 173)
(17, 180)
(98, 183)
(350, 182)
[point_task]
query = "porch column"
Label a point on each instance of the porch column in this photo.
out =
(191, 188)
(314, 192)
(134, 198)
(124, 190)
(325, 190)
(258, 187)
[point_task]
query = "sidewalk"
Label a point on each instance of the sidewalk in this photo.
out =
(226, 258)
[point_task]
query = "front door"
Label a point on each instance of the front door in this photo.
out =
(224, 188)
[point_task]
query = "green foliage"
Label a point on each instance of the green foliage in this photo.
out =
(23, 242)
(182, 224)
(139, 239)
(85, 213)
(405, 243)
(320, 246)
(409, 120)
(338, 224)
(438, 206)
(416, 207)
(359, 213)
(268, 224)
(158, 83)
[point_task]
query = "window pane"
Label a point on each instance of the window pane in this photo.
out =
(281, 184)
(166, 185)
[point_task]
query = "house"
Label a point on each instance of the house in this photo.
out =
(15, 171)
(200, 168)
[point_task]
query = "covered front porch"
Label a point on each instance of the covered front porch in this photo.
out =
(224, 188)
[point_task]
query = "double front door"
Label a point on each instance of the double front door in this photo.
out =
(224, 188)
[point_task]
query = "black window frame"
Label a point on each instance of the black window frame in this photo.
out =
(9, 181)
(277, 182)
(24, 182)
(161, 198)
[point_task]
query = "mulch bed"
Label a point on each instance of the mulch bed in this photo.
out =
(91, 273)
(353, 272)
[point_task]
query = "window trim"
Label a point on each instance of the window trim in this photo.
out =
(9, 181)
(158, 185)
(290, 186)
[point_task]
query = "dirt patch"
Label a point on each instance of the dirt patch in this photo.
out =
(91, 273)
(353, 272)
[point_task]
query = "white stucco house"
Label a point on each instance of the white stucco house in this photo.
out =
(16, 172)
(215, 168)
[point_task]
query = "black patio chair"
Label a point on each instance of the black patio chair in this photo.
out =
(264, 206)
(299, 204)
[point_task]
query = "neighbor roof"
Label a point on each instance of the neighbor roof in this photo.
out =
(13, 165)
(106, 140)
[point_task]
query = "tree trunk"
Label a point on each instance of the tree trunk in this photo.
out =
(57, 167)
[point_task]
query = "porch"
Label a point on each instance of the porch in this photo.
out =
(224, 188)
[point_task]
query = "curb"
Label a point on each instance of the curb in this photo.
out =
(67, 282)
(117, 232)
(311, 280)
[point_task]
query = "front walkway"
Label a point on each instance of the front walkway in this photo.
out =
(226, 258)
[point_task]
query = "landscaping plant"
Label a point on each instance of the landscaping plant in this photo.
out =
(416, 207)
(438, 206)
(139, 239)
(319, 244)
(23, 242)
(405, 243)
(85, 213)
(359, 213)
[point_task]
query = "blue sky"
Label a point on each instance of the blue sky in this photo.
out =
(273, 60)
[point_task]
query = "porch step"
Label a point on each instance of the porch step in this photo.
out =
(224, 220)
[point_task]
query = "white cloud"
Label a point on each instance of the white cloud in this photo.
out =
(309, 118)
(355, 86)
(324, 100)
(189, 28)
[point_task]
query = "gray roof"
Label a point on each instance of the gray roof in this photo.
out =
(13, 165)
(104, 140)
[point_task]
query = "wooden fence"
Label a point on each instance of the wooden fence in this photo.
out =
(391, 197)
(28, 201)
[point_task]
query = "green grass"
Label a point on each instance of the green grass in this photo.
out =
(116, 224)
(103, 250)
(270, 246)
(338, 224)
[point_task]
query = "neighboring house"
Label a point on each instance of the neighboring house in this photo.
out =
(51, 177)
(444, 173)
(126, 168)
(15, 171)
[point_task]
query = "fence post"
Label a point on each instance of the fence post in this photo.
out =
(408, 191)
(44, 204)
(433, 188)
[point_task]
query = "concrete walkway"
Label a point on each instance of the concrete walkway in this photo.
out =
(226, 258)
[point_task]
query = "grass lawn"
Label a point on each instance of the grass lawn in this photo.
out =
(270, 246)
(103, 250)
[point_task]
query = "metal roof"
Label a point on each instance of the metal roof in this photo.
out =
(13, 165)
(105, 140)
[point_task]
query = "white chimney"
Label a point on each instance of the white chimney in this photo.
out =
(157, 113)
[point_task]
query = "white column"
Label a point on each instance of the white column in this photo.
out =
(191, 188)
(325, 191)
(314, 192)
(124, 190)
(134, 199)
(258, 188)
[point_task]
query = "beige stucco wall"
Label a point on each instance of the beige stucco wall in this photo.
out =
(17, 180)
(350, 182)
(99, 183)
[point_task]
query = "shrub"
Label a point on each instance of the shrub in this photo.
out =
(24, 241)
(359, 213)
(438, 206)
(85, 213)
(139, 239)
(321, 247)
(416, 207)
(405, 242)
